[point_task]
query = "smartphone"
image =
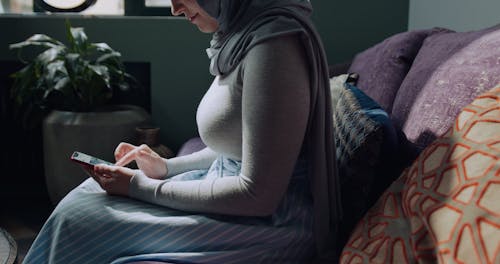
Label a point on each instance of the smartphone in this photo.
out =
(87, 160)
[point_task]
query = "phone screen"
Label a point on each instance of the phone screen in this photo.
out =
(86, 159)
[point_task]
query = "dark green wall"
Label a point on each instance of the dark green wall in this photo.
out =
(176, 49)
(348, 27)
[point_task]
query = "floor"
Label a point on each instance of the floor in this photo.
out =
(23, 221)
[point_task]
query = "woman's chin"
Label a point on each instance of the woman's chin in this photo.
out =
(205, 30)
(207, 27)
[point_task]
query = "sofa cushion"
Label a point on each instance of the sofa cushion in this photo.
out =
(383, 67)
(191, 145)
(448, 72)
(365, 145)
(444, 208)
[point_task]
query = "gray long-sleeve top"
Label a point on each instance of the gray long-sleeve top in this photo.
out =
(257, 114)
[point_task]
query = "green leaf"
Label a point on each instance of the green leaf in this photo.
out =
(73, 57)
(55, 71)
(77, 38)
(44, 38)
(124, 86)
(47, 93)
(113, 57)
(37, 40)
(50, 55)
(62, 84)
(75, 65)
(103, 73)
(101, 47)
(80, 40)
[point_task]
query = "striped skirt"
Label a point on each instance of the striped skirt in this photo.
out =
(89, 226)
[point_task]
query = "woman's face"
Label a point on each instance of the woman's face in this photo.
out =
(195, 14)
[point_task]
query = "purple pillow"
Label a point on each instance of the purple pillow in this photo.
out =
(450, 70)
(192, 145)
(383, 67)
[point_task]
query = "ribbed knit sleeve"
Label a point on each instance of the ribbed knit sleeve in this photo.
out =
(275, 107)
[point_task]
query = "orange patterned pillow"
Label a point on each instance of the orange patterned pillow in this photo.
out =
(445, 208)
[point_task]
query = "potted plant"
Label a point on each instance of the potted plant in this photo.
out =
(68, 87)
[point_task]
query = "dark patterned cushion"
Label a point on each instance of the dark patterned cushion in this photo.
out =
(366, 142)
(383, 67)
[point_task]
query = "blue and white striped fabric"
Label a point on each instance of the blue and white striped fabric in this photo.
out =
(89, 226)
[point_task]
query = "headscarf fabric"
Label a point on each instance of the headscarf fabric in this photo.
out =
(246, 23)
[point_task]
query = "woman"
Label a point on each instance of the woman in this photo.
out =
(265, 188)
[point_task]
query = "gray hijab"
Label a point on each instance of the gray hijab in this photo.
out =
(242, 25)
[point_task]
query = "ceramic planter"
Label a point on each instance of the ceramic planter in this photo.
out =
(95, 133)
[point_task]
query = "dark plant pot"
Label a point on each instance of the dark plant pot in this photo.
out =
(95, 133)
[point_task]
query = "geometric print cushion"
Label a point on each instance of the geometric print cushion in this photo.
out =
(365, 139)
(445, 208)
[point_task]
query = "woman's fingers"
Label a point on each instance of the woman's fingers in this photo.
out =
(113, 179)
(147, 155)
(105, 171)
(134, 155)
(95, 175)
(144, 159)
(122, 149)
(127, 158)
(108, 171)
(103, 174)
(152, 164)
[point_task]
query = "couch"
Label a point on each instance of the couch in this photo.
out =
(441, 90)
(433, 196)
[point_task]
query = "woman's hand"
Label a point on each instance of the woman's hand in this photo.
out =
(147, 160)
(114, 180)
